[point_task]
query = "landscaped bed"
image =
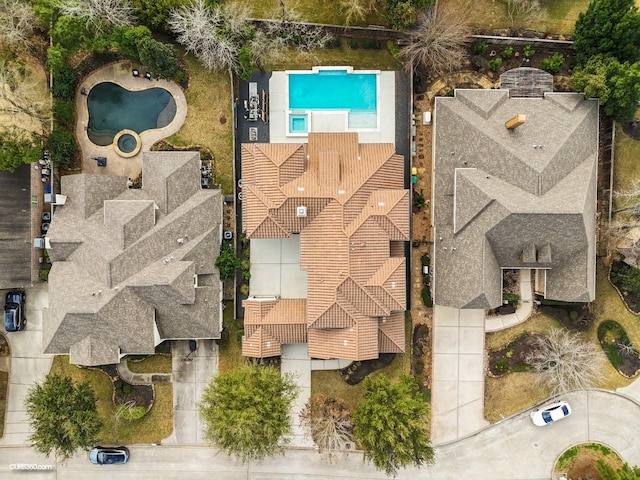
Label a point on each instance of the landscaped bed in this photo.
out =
(626, 279)
(511, 357)
(620, 351)
(580, 461)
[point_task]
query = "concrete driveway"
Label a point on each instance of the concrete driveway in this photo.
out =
(513, 449)
(28, 366)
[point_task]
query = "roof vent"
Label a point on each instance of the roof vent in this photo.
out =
(301, 211)
(515, 122)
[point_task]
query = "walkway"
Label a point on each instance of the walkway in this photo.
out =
(192, 372)
(120, 73)
(140, 378)
(28, 366)
(295, 361)
(524, 310)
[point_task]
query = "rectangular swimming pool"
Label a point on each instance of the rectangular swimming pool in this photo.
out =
(333, 90)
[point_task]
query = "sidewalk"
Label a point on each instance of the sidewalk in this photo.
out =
(523, 312)
(296, 361)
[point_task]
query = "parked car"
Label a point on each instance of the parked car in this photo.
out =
(109, 455)
(550, 413)
(14, 310)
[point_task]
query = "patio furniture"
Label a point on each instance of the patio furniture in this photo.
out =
(102, 161)
(135, 72)
(147, 75)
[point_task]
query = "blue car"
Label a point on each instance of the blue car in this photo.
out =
(14, 311)
(109, 455)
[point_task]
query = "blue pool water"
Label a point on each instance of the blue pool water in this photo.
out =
(113, 108)
(298, 123)
(333, 90)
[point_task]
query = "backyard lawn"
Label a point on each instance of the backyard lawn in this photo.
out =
(330, 383)
(231, 349)
(315, 11)
(345, 55)
(208, 102)
(489, 14)
(626, 165)
(152, 428)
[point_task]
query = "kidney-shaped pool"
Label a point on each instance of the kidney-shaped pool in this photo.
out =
(113, 109)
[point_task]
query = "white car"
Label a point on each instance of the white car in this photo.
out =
(550, 413)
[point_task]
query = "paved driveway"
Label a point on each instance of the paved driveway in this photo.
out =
(28, 366)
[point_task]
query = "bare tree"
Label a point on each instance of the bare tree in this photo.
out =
(329, 422)
(17, 22)
(438, 43)
(212, 34)
(564, 361)
(356, 10)
(98, 14)
(626, 349)
(521, 11)
(19, 99)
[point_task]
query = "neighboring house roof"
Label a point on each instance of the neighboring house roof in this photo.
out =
(514, 198)
(133, 267)
(16, 241)
(356, 212)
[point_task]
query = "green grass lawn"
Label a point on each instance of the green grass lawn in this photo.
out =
(152, 428)
(560, 17)
(230, 351)
(330, 383)
(152, 364)
(345, 55)
(4, 376)
(626, 166)
(208, 100)
(315, 11)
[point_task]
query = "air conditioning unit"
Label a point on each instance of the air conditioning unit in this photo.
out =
(301, 211)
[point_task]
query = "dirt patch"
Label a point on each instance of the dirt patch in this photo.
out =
(511, 358)
(419, 349)
(575, 317)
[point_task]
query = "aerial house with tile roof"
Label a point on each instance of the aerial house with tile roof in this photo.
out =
(134, 267)
(514, 187)
(327, 222)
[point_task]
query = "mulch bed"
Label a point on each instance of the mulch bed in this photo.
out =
(357, 371)
(580, 321)
(511, 358)
(612, 337)
(616, 275)
(142, 395)
(632, 129)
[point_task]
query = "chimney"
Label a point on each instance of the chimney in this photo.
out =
(515, 122)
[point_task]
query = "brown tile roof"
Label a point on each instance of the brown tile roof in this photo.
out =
(355, 222)
(270, 323)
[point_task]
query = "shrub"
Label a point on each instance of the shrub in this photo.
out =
(334, 42)
(501, 366)
(426, 297)
(159, 57)
(245, 58)
(510, 298)
(127, 388)
(354, 44)
(227, 262)
(608, 332)
(573, 315)
(64, 82)
(552, 64)
(63, 112)
(494, 64)
(425, 260)
(507, 53)
(393, 50)
(528, 51)
(418, 200)
(480, 47)
(419, 365)
(62, 147)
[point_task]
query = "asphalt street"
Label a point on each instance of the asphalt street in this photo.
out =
(513, 449)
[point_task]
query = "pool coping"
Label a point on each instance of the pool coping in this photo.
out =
(120, 73)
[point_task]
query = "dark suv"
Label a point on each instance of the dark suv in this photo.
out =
(14, 311)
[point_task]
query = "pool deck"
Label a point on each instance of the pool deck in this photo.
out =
(332, 121)
(120, 73)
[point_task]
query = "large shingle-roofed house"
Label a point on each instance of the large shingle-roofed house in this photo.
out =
(346, 202)
(134, 267)
(522, 197)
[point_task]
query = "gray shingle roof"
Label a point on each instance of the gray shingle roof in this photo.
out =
(124, 271)
(522, 198)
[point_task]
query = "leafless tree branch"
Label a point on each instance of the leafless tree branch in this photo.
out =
(99, 13)
(329, 422)
(564, 361)
(17, 22)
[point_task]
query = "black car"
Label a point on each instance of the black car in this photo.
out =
(109, 455)
(14, 311)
